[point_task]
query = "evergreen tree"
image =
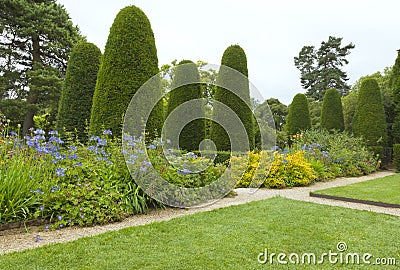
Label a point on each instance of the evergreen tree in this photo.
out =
(234, 57)
(332, 111)
(395, 86)
(298, 118)
(194, 132)
(78, 89)
(37, 37)
(129, 60)
(369, 118)
(322, 69)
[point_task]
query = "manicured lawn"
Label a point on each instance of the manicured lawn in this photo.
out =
(386, 190)
(228, 238)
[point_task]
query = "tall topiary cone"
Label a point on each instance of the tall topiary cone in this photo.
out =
(194, 132)
(234, 57)
(332, 111)
(78, 88)
(298, 118)
(369, 118)
(130, 59)
(395, 85)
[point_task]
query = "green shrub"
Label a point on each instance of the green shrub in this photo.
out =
(396, 156)
(298, 118)
(332, 111)
(78, 89)
(395, 86)
(194, 132)
(369, 118)
(237, 99)
(130, 59)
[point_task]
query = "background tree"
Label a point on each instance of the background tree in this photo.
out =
(37, 36)
(332, 111)
(234, 57)
(369, 118)
(78, 89)
(129, 60)
(395, 87)
(298, 118)
(194, 132)
(349, 104)
(322, 69)
(315, 109)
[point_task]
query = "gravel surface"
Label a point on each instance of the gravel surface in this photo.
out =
(19, 239)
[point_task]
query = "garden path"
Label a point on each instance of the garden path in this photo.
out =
(18, 239)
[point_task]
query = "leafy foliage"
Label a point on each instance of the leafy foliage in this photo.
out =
(332, 111)
(298, 118)
(369, 118)
(80, 81)
(129, 60)
(321, 69)
(395, 86)
(396, 156)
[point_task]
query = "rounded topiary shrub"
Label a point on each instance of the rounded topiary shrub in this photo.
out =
(194, 132)
(78, 88)
(130, 59)
(235, 95)
(369, 118)
(298, 118)
(332, 111)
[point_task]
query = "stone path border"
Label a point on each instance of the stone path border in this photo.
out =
(17, 239)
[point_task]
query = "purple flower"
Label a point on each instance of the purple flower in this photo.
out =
(91, 148)
(41, 208)
(151, 146)
(59, 217)
(53, 132)
(128, 138)
(107, 132)
(60, 172)
(101, 142)
(82, 216)
(79, 164)
(39, 132)
(94, 138)
(143, 169)
(61, 225)
(184, 172)
(46, 227)
(74, 156)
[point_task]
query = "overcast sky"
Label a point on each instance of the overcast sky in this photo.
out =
(270, 32)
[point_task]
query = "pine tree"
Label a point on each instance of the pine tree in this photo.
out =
(78, 89)
(332, 111)
(298, 118)
(235, 94)
(395, 85)
(369, 117)
(36, 39)
(129, 60)
(194, 132)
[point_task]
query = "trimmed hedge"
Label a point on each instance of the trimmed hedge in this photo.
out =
(78, 89)
(194, 132)
(396, 156)
(332, 111)
(234, 57)
(369, 118)
(130, 59)
(298, 118)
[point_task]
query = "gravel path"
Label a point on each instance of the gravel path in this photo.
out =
(18, 239)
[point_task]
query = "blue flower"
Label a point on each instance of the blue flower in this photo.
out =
(131, 144)
(91, 148)
(53, 132)
(78, 164)
(131, 162)
(94, 138)
(82, 216)
(61, 225)
(128, 138)
(304, 147)
(107, 132)
(72, 148)
(74, 156)
(151, 146)
(38, 238)
(60, 172)
(143, 169)
(146, 163)
(325, 154)
(124, 152)
(275, 148)
(101, 142)
(59, 217)
(285, 161)
(39, 132)
(46, 227)
(133, 157)
(184, 172)
(41, 208)
(13, 133)
(140, 151)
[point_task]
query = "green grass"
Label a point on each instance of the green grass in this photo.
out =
(228, 238)
(386, 190)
